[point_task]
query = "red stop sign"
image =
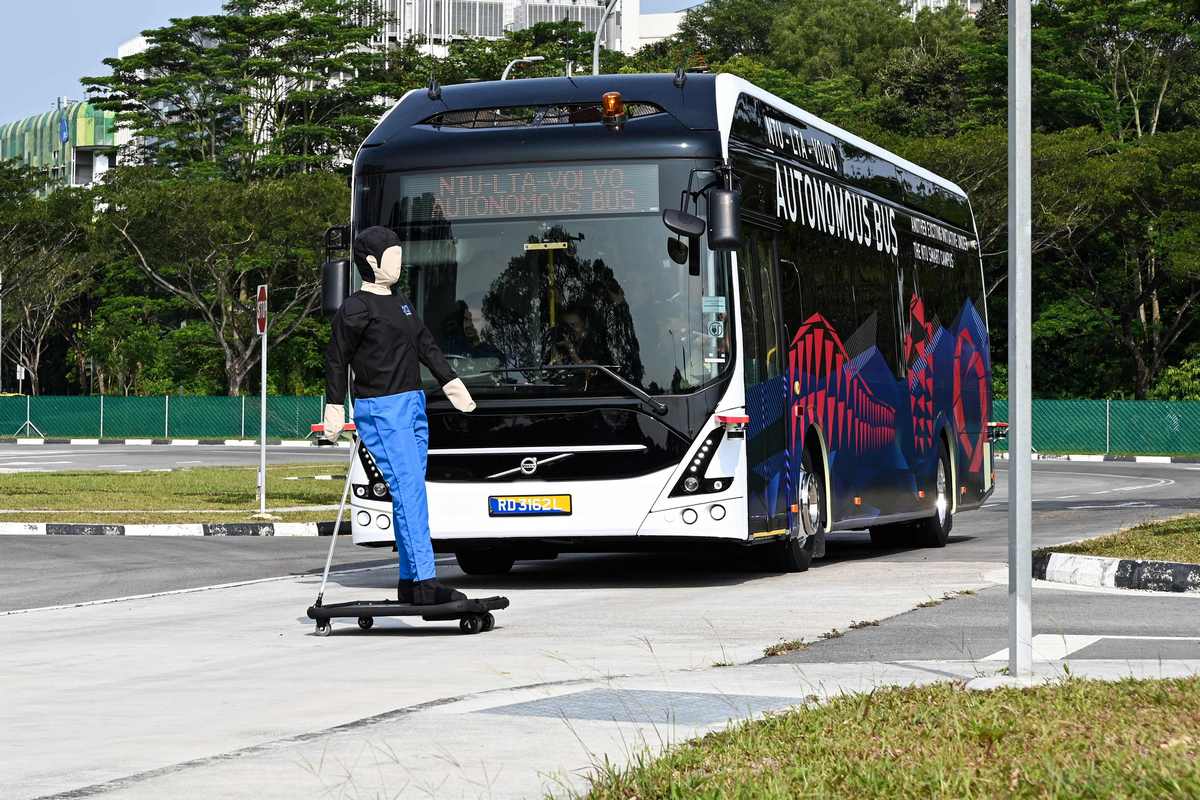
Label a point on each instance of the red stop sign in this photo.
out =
(262, 309)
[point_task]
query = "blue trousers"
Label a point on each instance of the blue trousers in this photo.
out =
(396, 432)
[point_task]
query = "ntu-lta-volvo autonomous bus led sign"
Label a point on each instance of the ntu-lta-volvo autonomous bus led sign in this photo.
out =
(804, 349)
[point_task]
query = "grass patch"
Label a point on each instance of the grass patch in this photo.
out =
(781, 647)
(1171, 540)
(148, 496)
(1132, 739)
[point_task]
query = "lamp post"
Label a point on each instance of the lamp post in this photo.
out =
(608, 9)
(521, 62)
(1020, 430)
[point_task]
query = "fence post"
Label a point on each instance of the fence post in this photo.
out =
(167, 416)
(1107, 426)
(101, 416)
(243, 436)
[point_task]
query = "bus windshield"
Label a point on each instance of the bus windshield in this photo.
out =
(519, 272)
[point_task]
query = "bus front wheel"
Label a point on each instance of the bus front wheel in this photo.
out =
(795, 553)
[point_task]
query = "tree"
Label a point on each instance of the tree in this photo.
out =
(823, 39)
(209, 243)
(270, 87)
(1138, 51)
(722, 29)
(1179, 382)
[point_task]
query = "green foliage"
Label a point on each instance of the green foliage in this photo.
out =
(269, 87)
(1179, 382)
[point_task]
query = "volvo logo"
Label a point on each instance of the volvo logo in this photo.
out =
(529, 465)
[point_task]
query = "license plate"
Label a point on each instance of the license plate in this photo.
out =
(538, 505)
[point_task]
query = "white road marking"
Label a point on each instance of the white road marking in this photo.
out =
(6, 471)
(31, 463)
(1051, 647)
(1066, 497)
(1127, 504)
(103, 466)
(1055, 646)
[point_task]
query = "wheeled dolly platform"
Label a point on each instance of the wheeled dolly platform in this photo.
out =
(473, 615)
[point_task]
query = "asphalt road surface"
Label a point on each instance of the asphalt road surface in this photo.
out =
(1071, 500)
(227, 692)
(132, 458)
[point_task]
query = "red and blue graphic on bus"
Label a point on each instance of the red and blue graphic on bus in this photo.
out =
(882, 433)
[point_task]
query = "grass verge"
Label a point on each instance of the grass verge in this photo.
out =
(183, 495)
(1079, 738)
(1172, 540)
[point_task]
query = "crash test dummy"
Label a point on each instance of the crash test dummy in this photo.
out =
(377, 334)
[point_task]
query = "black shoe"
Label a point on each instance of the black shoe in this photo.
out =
(432, 593)
(404, 591)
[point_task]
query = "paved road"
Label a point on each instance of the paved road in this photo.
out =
(119, 457)
(218, 693)
(1072, 500)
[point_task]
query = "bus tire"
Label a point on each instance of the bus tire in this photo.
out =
(935, 531)
(789, 555)
(485, 562)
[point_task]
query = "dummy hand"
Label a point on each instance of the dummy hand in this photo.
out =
(335, 420)
(456, 390)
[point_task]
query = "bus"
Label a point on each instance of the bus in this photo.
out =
(691, 314)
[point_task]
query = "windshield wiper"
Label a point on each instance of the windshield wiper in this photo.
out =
(635, 390)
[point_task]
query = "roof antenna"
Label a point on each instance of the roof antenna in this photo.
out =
(435, 89)
(680, 77)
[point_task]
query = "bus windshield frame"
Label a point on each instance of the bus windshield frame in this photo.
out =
(572, 273)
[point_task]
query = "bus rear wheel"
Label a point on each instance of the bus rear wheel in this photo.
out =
(485, 562)
(935, 531)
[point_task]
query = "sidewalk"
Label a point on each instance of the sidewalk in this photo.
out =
(87, 689)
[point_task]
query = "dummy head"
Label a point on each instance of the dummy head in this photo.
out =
(377, 255)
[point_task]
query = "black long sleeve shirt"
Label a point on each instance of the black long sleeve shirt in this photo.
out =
(381, 338)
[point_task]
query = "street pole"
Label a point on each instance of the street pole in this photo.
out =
(608, 9)
(1020, 430)
(262, 448)
(261, 321)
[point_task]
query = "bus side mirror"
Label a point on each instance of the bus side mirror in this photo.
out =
(724, 219)
(335, 285)
(683, 223)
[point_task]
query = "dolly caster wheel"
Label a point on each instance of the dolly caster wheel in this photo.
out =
(471, 624)
(324, 629)
(366, 623)
(489, 622)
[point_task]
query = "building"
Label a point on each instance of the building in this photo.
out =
(74, 144)
(972, 6)
(440, 21)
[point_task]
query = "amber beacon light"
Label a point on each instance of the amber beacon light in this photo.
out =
(614, 109)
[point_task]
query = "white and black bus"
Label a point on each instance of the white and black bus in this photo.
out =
(690, 313)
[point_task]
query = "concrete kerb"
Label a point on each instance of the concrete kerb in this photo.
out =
(1097, 457)
(170, 529)
(170, 442)
(1116, 573)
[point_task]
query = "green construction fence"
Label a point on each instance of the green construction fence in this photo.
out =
(1059, 426)
(181, 417)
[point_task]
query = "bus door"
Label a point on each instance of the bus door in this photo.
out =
(769, 491)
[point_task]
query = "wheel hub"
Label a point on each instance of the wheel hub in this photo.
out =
(943, 502)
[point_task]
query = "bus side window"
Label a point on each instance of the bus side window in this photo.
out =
(791, 296)
(749, 343)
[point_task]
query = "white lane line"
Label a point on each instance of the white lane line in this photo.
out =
(1127, 504)
(31, 463)
(232, 585)
(103, 466)
(189, 462)
(5, 471)
(1066, 497)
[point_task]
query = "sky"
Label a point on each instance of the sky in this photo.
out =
(46, 47)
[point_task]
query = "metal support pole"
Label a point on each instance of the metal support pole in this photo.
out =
(608, 9)
(243, 416)
(166, 416)
(1020, 430)
(101, 416)
(262, 423)
(1107, 426)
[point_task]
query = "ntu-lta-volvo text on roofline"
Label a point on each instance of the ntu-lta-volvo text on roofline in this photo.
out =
(690, 312)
